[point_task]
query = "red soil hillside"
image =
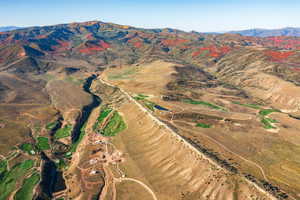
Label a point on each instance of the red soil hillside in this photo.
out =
(278, 56)
(213, 51)
(173, 42)
(91, 48)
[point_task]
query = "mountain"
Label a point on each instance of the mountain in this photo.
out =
(289, 31)
(98, 110)
(8, 28)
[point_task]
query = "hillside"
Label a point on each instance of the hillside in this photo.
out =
(91, 110)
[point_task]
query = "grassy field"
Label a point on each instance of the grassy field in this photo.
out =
(114, 126)
(3, 166)
(26, 191)
(268, 122)
(140, 97)
(63, 132)
(75, 144)
(51, 125)
(103, 114)
(204, 103)
(28, 148)
(266, 112)
(150, 105)
(43, 143)
(254, 106)
(10, 178)
(202, 125)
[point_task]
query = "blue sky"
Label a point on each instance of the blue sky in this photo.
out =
(199, 15)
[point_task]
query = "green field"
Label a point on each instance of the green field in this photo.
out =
(254, 106)
(3, 166)
(114, 126)
(51, 125)
(28, 148)
(26, 191)
(63, 132)
(75, 144)
(43, 143)
(266, 112)
(267, 123)
(150, 105)
(204, 103)
(202, 125)
(103, 114)
(9, 178)
(140, 97)
(61, 164)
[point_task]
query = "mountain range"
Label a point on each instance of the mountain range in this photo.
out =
(8, 28)
(289, 31)
(259, 32)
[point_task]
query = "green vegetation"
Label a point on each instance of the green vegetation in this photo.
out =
(63, 132)
(28, 148)
(3, 166)
(150, 105)
(26, 191)
(9, 179)
(267, 123)
(140, 97)
(75, 144)
(61, 164)
(254, 106)
(204, 103)
(51, 125)
(271, 120)
(43, 143)
(202, 125)
(103, 114)
(114, 126)
(266, 112)
(125, 74)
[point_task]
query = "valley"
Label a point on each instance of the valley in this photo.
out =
(98, 110)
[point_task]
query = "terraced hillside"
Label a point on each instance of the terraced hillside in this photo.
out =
(179, 115)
